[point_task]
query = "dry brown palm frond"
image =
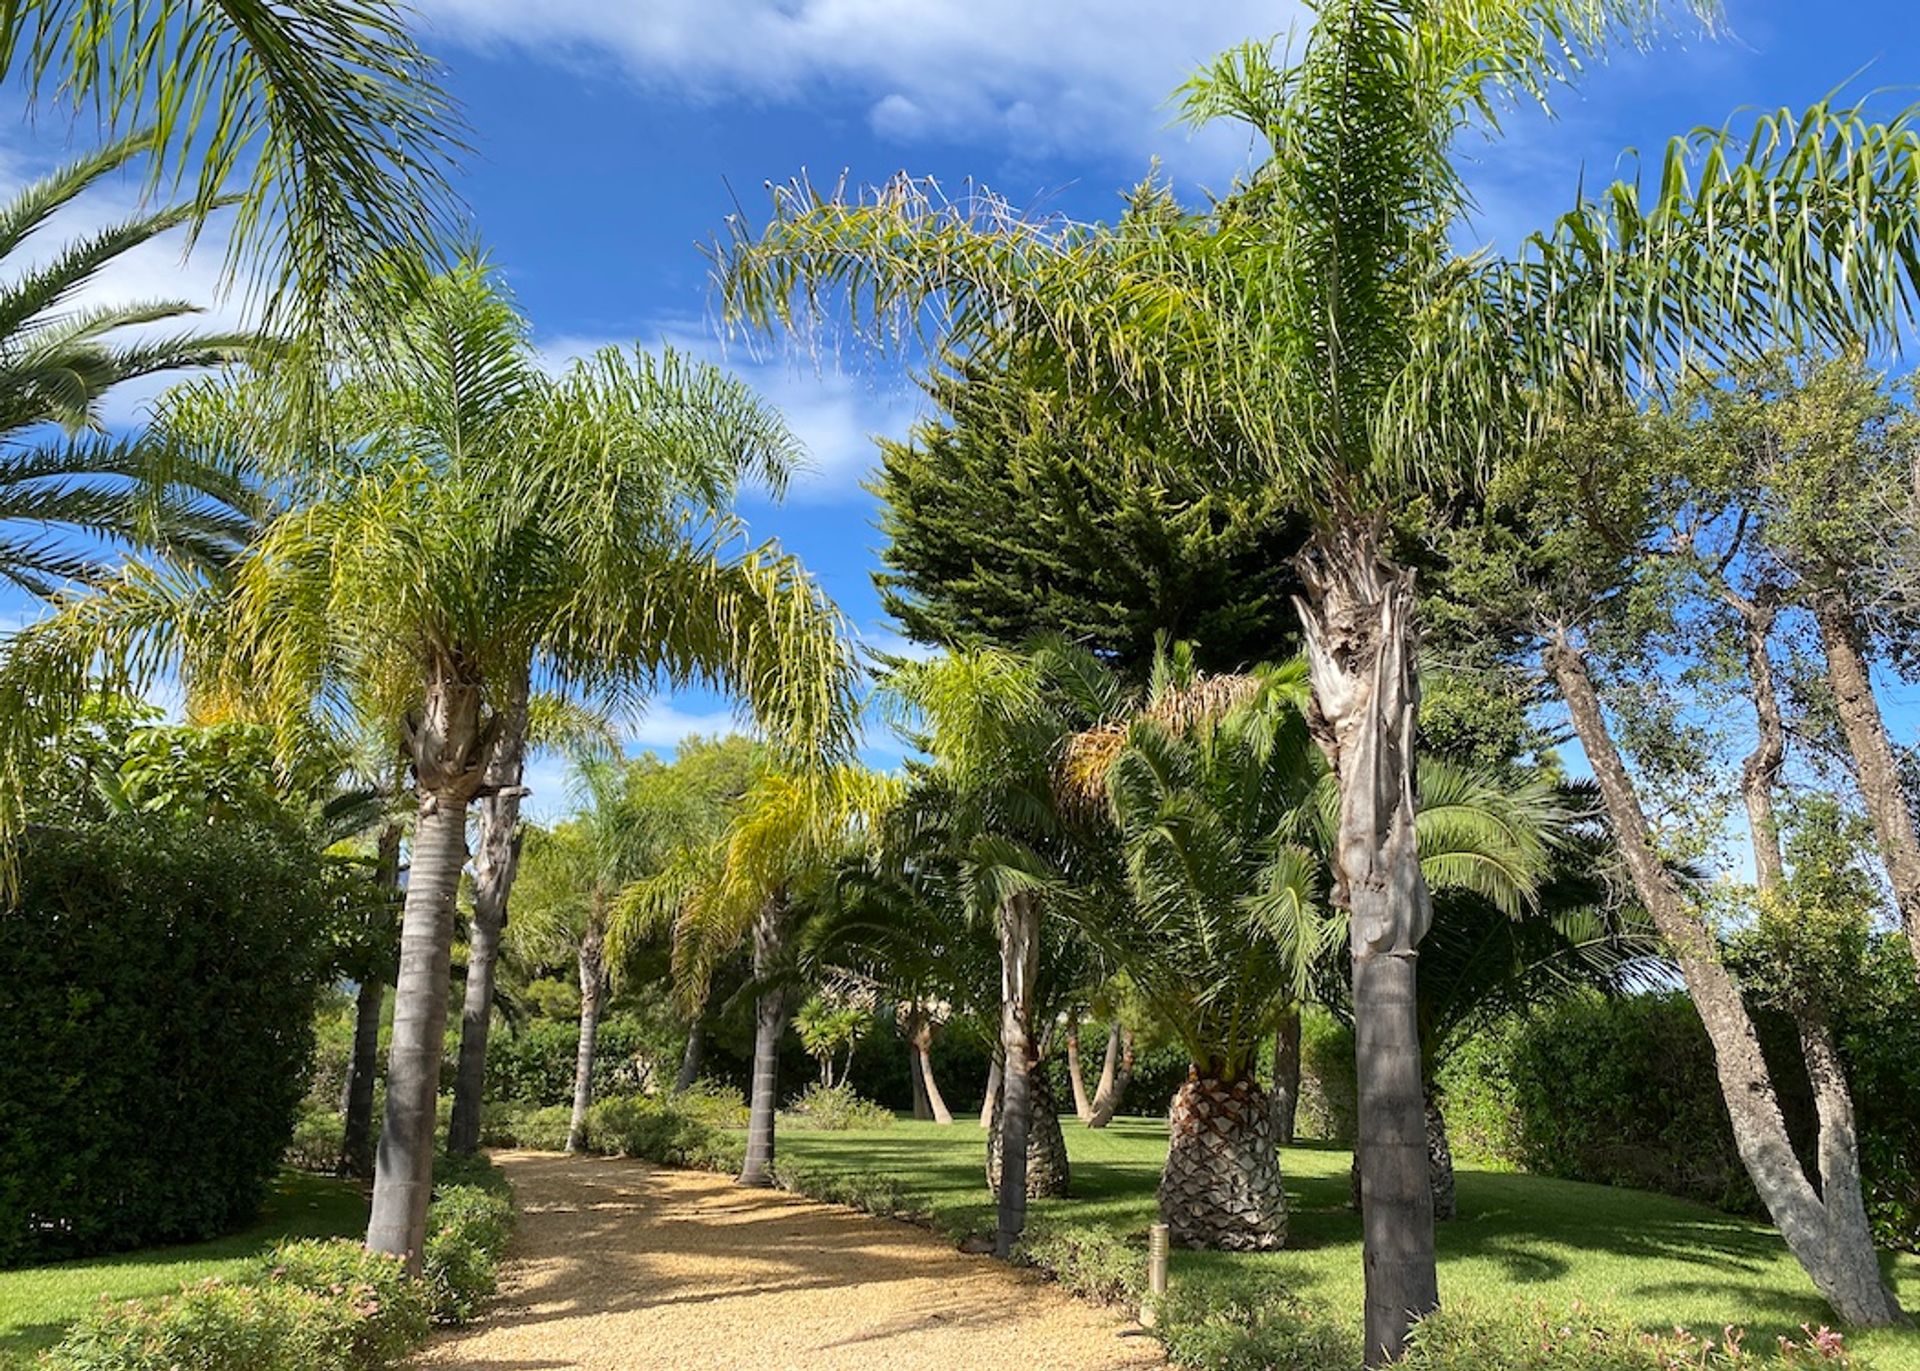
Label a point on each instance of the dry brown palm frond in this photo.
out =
(1080, 777)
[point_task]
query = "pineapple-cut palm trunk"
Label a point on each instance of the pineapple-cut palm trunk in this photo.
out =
(1048, 1174)
(1358, 623)
(1221, 1186)
(769, 937)
(495, 863)
(593, 991)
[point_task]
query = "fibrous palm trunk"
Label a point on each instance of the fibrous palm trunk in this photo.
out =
(449, 744)
(1361, 645)
(494, 865)
(1221, 1186)
(1825, 1229)
(1286, 1076)
(1048, 1173)
(769, 1011)
(690, 1058)
(356, 1142)
(1876, 769)
(1007, 1143)
(593, 989)
(1113, 1084)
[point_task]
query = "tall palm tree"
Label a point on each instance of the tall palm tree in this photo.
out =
(324, 113)
(1320, 323)
(756, 881)
(59, 360)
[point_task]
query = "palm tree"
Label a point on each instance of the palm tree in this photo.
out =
(325, 111)
(756, 881)
(1320, 325)
(59, 360)
(452, 547)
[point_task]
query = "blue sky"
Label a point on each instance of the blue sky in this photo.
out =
(611, 137)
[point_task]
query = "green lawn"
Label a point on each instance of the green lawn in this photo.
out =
(37, 1303)
(1653, 1260)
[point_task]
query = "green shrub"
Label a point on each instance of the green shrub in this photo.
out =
(1251, 1327)
(215, 1326)
(468, 1227)
(636, 1126)
(541, 1129)
(315, 1144)
(1094, 1263)
(711, 1103)
(535, 1065)
(1467, 1338)
(161, 977)
(834, 1108)
(391, 1309)
(1329, 1096)
(872, 1192)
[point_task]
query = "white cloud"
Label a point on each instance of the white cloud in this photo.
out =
(1038, 79)
(665, 725)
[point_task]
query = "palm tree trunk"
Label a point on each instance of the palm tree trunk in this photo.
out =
(449, 743)
(494, 867)
(1361, 644)
(923, 1053)
(1286, 1076)
(1832, 1243)
(690, 1059)
(1019, 965)
(593, 986)
(989, 1105)
(1107, 1103)
(769, 939)
(356, 1143)
(1221, 1188)
(916, 1068)
(1875, 768)
(1082, 1106)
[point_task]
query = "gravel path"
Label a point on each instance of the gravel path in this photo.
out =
(619, 1266)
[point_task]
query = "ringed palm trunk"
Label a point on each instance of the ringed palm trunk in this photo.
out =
(1113, 1089)
(691, 1058)
(449, 744)
(769, 1012)
(923, 1053)
(1440, 1179)
(1019, 966)
(593, 989)
(1221, 1187)
(494, 867)
(1828, 1236)
(1286, 1076)
(1876, 769)
(1361, 644)
(356, 1143)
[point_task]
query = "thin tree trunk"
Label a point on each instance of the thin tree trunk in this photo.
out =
(923, 1050)
(1082, 1106)
(1107, 1103)
(356, 1142)
(1104, 1087)
(769, 940)
(449, 742)
(1875, 768)
(1361, 645)
(494, 865)
(690, 1059)
(593, 989)
(1286, 1076)
(992, 1102)
(1019, 965)
(1841, 1264)
(917, 1068)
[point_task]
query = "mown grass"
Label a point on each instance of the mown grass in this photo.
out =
(37, 1303)
(1522, 1239)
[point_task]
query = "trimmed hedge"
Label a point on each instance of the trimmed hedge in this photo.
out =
(161, 977)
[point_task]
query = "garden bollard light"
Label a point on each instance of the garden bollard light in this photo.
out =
(1156, 1274)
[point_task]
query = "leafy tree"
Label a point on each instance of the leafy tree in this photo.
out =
(829, 1024)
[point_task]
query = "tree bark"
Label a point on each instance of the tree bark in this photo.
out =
(1286, 1077)
(691, 1058)
(1221, 1186)
(1108, 1101)
(1082, 1106)
(916, 1068)
(449, 742)
(769, 941)
(929, 1087)
(356, 1142)
(1361, 644)
(991, 1104)
(1840, 1262)
(1019, 966)
(494, 865)
(1049, 1173)
(1875, 769)
(593, 989)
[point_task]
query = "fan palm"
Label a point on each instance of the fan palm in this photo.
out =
(59, 361)
(324, 112)
(756, 880)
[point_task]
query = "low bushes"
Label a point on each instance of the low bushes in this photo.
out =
(872, 1192)
(834, 1108)
(313, 1305)
(1096, 1264)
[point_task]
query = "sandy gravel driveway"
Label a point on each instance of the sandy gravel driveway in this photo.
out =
(619, 1266)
